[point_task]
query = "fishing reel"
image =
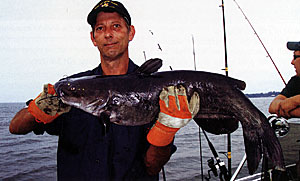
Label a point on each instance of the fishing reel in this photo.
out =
(214, 167)
(279, 125)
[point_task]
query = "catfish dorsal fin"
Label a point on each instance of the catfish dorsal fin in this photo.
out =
(150, 66)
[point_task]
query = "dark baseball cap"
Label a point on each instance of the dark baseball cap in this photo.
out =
(108, 6)
(293, 46)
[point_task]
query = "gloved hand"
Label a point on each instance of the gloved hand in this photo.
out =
(175, 113)
(46, 106)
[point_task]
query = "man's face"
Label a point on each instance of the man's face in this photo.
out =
(111, 35)
(296, 62)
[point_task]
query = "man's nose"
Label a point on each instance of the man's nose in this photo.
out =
(108, 33)
(293, 62)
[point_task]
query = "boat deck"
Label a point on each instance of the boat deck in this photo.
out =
(291, 150)
(291, 144)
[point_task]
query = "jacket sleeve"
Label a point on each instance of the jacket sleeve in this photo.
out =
(156, 157)
(53, 128)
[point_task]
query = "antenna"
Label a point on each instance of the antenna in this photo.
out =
(194, 52)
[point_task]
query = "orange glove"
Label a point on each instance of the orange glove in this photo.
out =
(46, 106)
(175, 113)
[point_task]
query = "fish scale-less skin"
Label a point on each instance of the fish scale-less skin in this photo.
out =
(133, 92)
(259, 137)
(133, 100)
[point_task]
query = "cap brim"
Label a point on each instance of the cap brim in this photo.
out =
(93, 14)
(293, 46)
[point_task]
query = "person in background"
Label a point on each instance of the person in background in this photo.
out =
(287, 103)
(92, 148)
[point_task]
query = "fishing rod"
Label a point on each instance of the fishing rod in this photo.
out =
(219, 165)
(260, 41)
(226, 73)
(225, 43)
(145, 56)
(158, 45)
(199, 131)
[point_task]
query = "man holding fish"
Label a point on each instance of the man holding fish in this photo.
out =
(92, 148)
(287, 103)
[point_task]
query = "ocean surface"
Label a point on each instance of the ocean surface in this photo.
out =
(33, 157)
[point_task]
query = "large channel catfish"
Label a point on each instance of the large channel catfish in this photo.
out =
(133, 100)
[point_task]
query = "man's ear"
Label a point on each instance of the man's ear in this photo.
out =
(93, 38)
(131, 32)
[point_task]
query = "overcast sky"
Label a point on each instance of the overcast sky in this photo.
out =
(42, 41)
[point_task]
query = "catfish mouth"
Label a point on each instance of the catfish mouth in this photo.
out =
(79, 97)
(65, 91)
(63, 96)
(58, 90)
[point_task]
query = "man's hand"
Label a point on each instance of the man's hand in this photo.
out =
(175, 113)
(46, 107)
(287, 105)
(274, 107)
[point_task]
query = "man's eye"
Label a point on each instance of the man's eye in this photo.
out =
(117, 25)
(99, 28)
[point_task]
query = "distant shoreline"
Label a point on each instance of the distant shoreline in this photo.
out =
(269, 94)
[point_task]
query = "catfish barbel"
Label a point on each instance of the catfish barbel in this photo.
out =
(133, 99)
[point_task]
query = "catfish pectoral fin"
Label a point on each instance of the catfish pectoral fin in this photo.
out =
(150, 66)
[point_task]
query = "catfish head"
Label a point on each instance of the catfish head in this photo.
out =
(81, 92)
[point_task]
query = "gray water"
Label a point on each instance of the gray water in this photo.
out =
(33, 157)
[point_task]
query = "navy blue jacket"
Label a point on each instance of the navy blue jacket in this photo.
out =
(292, 88)
(90, 148)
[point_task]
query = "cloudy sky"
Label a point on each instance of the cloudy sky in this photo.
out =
(42, 41)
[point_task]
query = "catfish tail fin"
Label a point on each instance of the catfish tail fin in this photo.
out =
(272, 147)
(263, 140)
